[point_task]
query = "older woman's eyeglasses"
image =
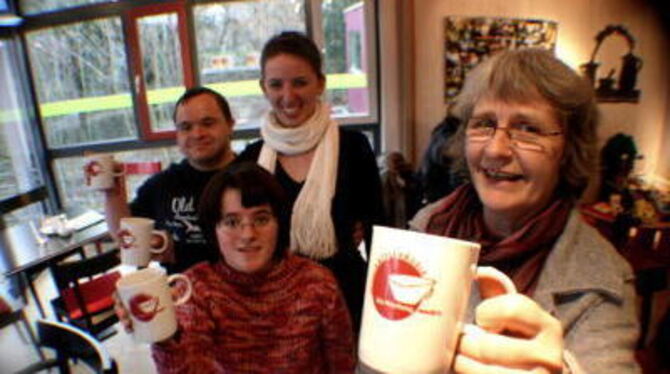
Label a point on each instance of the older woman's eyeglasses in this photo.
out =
(524, 135)
(236, 223)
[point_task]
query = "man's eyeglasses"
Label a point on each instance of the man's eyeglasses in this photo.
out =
(236, 224)
(523, 135)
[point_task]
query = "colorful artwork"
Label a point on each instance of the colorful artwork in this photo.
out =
(469, 40)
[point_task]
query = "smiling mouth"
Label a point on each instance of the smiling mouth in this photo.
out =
(498, 175)
(200, 145)
(291, 112)
(249, 249)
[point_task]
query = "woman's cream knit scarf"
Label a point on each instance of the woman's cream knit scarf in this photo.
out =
(312, 230)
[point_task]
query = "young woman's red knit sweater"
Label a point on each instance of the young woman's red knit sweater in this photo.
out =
(291, 319)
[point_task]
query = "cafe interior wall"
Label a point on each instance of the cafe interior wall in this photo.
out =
(648, 120)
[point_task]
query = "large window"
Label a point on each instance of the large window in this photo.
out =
(162, 67)
(346, 30)
(107, 73)
(20, 171)
(81, 78)
(161, 64)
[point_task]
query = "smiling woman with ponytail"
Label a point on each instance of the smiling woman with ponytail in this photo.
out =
(329, 173)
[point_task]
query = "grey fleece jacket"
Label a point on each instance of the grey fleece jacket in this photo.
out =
(587, 286)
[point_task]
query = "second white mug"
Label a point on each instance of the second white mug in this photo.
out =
(135, 240)
(99, 171)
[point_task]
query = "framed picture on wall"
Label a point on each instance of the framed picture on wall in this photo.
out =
(469, 40)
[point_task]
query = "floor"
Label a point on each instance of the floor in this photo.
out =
(16, 352)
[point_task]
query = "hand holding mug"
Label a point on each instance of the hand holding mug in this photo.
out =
(119, 171)
(513, 332)
(122, 313)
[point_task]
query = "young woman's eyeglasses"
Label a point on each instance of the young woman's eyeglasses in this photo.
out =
(524, 135)
(234, 223)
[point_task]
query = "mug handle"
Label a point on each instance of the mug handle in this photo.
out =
(163, 235)
(187, 294)
(499, 283)
(118, 173)
(87, 175)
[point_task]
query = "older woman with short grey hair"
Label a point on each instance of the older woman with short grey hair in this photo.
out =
(528, 141)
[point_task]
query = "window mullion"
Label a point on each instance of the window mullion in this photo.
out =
(191, 55)
(134, 57)
(314, 22)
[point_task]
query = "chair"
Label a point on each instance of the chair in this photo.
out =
(136, 168)
(87, 303)
(136, 173)
(70, 343)
(12, 316)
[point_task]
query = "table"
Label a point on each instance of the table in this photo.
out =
(21, 253)
(623, 234)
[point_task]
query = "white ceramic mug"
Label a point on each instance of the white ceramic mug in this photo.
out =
(416, 294)
(135, 240)
(99, 171)
(146, 295)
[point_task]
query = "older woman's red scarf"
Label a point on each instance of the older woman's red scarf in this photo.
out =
(522, 255)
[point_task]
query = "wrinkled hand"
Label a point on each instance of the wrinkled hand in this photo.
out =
(516, 336)
(121, 312)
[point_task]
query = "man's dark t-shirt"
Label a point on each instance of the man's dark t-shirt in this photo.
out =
(171, 199)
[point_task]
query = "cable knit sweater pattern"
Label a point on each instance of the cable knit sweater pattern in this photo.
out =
(291, 319)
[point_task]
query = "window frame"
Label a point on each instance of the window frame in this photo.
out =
(315, 29)
(129, 11)
(130, 20)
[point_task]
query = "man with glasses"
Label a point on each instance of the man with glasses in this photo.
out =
(204, 125)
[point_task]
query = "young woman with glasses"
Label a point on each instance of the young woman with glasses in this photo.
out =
(255, 307)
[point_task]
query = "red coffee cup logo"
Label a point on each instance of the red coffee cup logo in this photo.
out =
(92, 169)
(400, 286)
(144, 307)
(126, 239)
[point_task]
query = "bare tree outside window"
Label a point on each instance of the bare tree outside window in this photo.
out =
(161, 65)
(81, 80)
